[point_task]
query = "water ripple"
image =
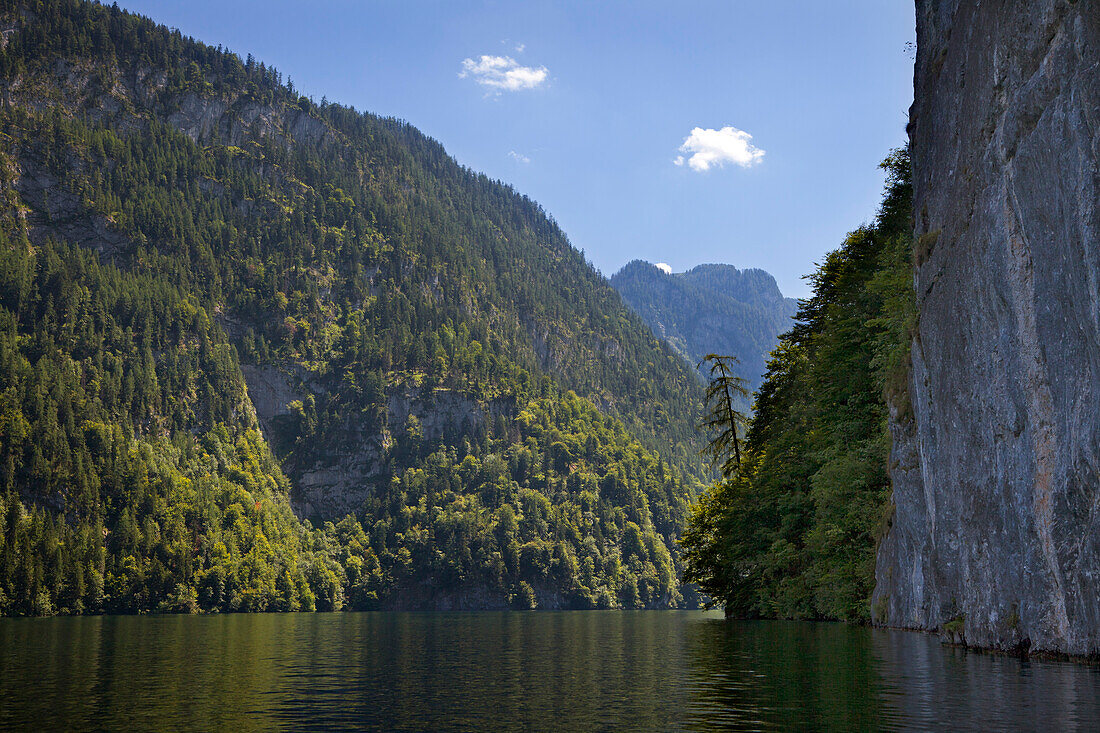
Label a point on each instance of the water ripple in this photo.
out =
(601, 671)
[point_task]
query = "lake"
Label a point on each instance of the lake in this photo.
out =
(578, 670)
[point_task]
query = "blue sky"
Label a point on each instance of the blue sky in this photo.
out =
(584, 106)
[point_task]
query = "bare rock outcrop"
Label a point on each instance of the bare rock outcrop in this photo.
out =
(995, 541)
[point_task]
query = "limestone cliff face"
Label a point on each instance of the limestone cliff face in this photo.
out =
(996, 461)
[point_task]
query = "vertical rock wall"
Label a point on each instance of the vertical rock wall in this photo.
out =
(996, 462)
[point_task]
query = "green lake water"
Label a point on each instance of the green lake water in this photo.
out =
(582, 671)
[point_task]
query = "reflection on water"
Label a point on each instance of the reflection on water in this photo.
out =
(782, 675)
(600, 670)
(928, 683)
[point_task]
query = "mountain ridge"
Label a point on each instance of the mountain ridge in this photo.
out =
(711, 308)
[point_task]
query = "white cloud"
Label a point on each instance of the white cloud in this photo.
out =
(518, 157)
(708, 148)
(664, 267)
(503, 73)
(520, 47)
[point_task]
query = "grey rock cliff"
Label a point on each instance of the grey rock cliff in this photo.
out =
(996, 467)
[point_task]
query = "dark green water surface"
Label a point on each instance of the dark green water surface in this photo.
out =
(600, 670)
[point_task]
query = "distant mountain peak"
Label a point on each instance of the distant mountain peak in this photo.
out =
(711, 308)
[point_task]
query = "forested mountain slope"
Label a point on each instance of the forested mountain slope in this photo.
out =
(710, 309)
(220, 300)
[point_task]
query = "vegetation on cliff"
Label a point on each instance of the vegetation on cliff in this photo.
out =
(792, 531)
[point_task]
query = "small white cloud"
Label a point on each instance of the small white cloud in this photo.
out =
(520, 47)
(518, 157)
(710, 148)
(503, 73)
(664, 267)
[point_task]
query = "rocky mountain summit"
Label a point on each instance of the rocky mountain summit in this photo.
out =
(710, 309)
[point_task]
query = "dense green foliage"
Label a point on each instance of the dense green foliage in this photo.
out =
(172, 212)
(710, 309)
(575, 511)
(122, 421)
(792, 532)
